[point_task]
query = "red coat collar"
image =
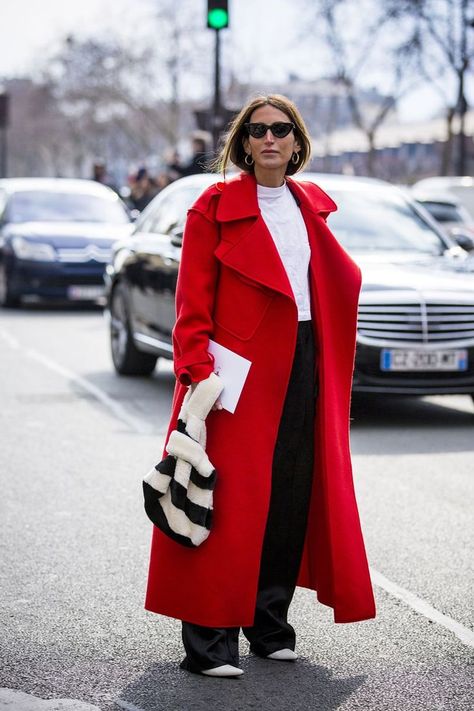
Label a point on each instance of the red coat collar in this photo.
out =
(251, 251)
(239, 198)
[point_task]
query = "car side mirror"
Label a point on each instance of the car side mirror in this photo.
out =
(176, 235)
(463, 239)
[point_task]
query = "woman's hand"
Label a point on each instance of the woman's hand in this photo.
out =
(217, 405)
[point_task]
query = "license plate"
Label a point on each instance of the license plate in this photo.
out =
(88, 293)
(439, 360)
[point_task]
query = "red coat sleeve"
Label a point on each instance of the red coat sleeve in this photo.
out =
(195, 292)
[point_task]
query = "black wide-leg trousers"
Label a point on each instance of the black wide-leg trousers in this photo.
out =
(292, 473)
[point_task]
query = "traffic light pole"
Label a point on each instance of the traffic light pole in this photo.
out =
(4, 121)
(217, 113)
(3, 153)
(217, 19)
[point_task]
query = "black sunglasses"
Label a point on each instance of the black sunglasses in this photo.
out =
(280, 129)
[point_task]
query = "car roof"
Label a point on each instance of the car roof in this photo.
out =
(347, 182)
(436, 196)
(446, 181)
(70, 185)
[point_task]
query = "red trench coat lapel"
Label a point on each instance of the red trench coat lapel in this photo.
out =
(247, 245)
(255, 256)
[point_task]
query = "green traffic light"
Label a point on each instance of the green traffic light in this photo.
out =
(217, 18)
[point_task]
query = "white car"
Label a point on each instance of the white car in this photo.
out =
(461, 187)
(451, 214)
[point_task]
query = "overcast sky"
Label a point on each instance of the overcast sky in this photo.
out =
(32, 29)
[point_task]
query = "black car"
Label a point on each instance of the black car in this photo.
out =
(56, 236)
(416, 317)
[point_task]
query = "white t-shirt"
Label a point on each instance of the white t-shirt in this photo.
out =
(286, 225)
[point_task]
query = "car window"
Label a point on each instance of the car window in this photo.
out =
(49, 206)
(144, 222)
(443, 212)
(377, 220)
(171, 211)
(145, 219)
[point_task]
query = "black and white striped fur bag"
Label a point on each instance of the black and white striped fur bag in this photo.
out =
(179, 490)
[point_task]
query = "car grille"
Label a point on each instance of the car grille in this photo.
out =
(431, 322)
(86, 254)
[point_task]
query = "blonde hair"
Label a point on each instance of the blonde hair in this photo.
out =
(233, 150)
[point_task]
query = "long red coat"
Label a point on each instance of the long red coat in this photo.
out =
(232, 287)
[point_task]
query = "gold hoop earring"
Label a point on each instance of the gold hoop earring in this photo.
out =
(251, 161)
(297, 156)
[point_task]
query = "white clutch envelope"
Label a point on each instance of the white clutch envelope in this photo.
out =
(233, 370)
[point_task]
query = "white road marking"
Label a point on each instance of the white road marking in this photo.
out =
(11, 340)
(126, 705)
(20, 701)
(423, 608)
(464, 634)
(134, 423)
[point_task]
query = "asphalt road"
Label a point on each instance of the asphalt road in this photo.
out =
(74, 541)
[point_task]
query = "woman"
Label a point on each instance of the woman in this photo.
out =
(262, 275)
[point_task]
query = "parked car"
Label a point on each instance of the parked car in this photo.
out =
(461, 187)
(56, 237)
(449, 211)
(416, 317)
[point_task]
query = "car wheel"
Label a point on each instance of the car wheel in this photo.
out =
(127, 359)
(7, 296)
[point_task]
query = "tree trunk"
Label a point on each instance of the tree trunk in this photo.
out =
(461, 138)
(371, 155)
(447, 150)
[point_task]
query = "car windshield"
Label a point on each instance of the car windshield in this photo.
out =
(49, 206)
(381, 221)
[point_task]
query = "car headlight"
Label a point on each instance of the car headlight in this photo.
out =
(36, 251)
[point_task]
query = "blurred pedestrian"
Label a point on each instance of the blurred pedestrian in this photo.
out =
(100, 174)
(263, 276)
(143, 190)
(174, 167)
(198, 163)
(162, 180)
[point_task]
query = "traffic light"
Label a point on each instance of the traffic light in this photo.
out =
(217, 14)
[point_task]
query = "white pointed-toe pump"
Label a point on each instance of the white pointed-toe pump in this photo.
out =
(224, 670)
(283, 655)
